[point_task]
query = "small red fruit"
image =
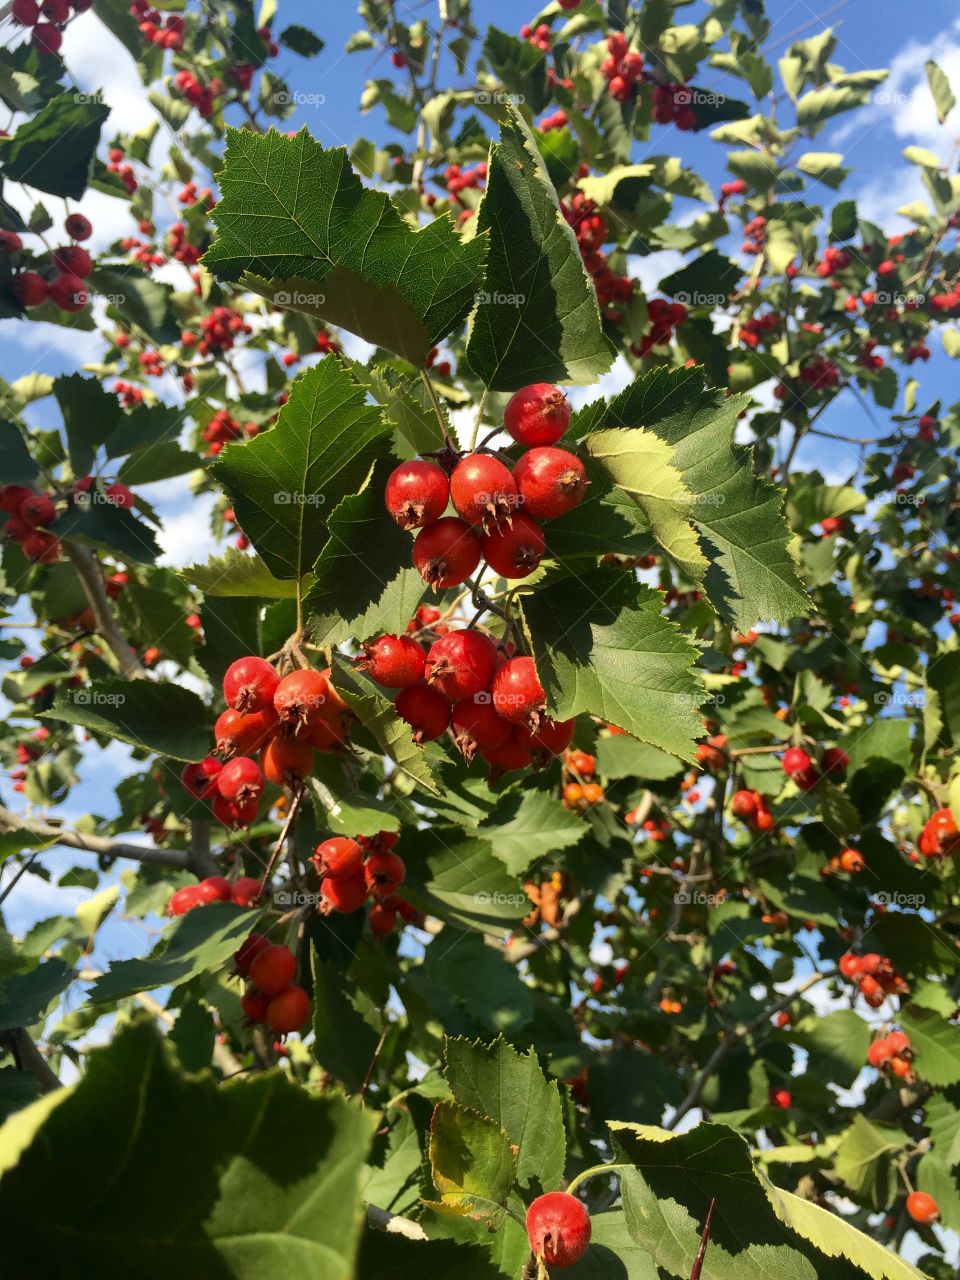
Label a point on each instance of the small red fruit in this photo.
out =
(537, 415)
(67, 291)
(201, 779)
(550, 740)
(273, 969)
(77, 226)
(835, 760)
(510, 756)
(250, 948)
(244, 892)
(550, 482)
(240, 780)
(477, 725)
(558, 1228)
(461, 664)
(339, 857)
(237, 734)
(73, 260)
(384, 873)
(344, 894)
(289, 1010)
(46, 38)
(781, 1098)
(514, 550)
(183, 900)
(518, 695)
(214, 889)
(744, 805)
(922, 1207)
(425, 709)
(300, 699)
(254, 1004)
(250, 684)
(286, 761)
(417, 493)
(446, 553)
(26, 12)
(795, 760)
(382, 918)
(483, 490)
(38, 509)
(396, 662)
(29, 288)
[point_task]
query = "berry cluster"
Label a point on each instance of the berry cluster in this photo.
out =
(538, 36)
(850, 860)
(756, 233)
(272, 996)
(456, 179)
(124, 171)
(664, 317)
(63, 280)
(184, 250)
(939, 835)
(754, 330)
(202, 96)
(727, 189)
(751, 807)
(874, 975)
(244, 892)
(799, 766)
(220, 430)
(29, 517)
(47, 18)
(354, 870)
(621, 68)
(893, 1051)
(168, 34)
(673, 104)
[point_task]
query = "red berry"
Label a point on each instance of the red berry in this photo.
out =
(514, 550)
(558, 1227)
(244, 892)
(338, 857)
(461, 664)
(26, 12)
(396, 662)
(237, 734)
(446, 553)
(384, 873)
(46, 38)
(254, 1004)
(922, 1207)
(286, 761)
(250, 684)
(241, 780)
(417, 493)
(781, 1098)
(10, 242)
(511, 755)
(550, 482)
(57, 11)
(518, 695)
(29, 288)
(301, 699)
(77, 226)
(119, 495)
(38, 509)
(233, 815)
(73, 260)
(477, 725)
(273, 969)
(744, 805)
(538, 414)
(249, 950)
(425, 709)
(289, 1010)
(67, 291)
(835, 760)
(38, 546)
(382, 918)
(201, 779)
(344, 893)
(795, 760)
(214, 889)
(483, 490)
(13, 496)
(550, 740)
(183, 900)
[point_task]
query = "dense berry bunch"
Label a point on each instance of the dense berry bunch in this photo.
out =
(874, 975)
(893, 1053)
(47, 18)
(364, 868)
(272, 997)
(622, 67)
(243, 892)
(29, 517)
(538, 36)
(664, 317)
(673, 104)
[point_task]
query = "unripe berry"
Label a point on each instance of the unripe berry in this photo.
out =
(338, 857)
(241, 780)
(446, 553)
(396, 662)
(273, 969)
(286, 761)
(922, 1207)
(514, 550)
(425, 709)
(483, 490)
(551, 482)
(517, 693)
(558, 1227)
(477, 725)
(250, 684)
(417, 493)
(536, 415)
(461, 664)
(289, 1010)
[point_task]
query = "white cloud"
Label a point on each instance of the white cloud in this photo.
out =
(185, 537)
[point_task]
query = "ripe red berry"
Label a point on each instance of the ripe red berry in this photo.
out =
(538, 414)
(214, 889)
(10, 242)
(29, 288)
(744, 805)
(289, 1010)
(461, 664)
(201, 779)
(558, 1228)
(250, 684)
(38, 509)
(254, 1004)
(511, 755)
(273, 969)
(301, 700)
(286, 761)
(514, 550)
(67, 291)
(39, 546)
(78, 227)
(250, 948)
(343, 893)
(550, 740)
(46, 38)
(237, 734)
(384, 873)
(119, 495)
(781, 1098)
(245, 891)
(233, 815)
(483, 490)
(477, 725)
(338, 857)
(183, 900)
(795, 760)
(425, 709)
(446, 553)
(73, 260)
(550, 482)
(835, 760)
(240, 780)
(26, 12)
(417, 493)
(382, 918)
(518, 695)
(922, 1207)
(396, 662)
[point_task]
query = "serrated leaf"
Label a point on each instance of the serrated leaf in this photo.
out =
(285, 482)
(936, 1043)
(521, 67)
(863, 1160)
(295, 217)
(25, 997)
(525, 828)
(238, 574)
(165, 718)
(52, 150)
(93, 518)
(603, 647)
(462, 881)
(16, 464)
(90, 413)
(819, 105)
(471, 1162)
(344, 1043)
(537, 318)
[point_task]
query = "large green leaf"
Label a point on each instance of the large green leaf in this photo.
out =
(285, 482)
(471, 1161)
(25, 997)
(936, 1043)
(165, 718)
(462, 881)
(241, 1205)
(602, 646)
(864, 1161)
(537, 318)
(524, 828)
(295, 219)
(520, 65)
(344, 1042)
(390, 1256)
(52, 150)
(94, 518)
(238, 574)
(16, 464)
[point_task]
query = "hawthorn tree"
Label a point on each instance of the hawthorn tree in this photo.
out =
(548, 813)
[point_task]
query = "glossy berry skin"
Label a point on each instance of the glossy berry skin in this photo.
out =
(68, 292)
(476, 725)
(550, 740)
(249, 684)
(289, 1010)
(300, 700)
(26, 12)
(417, 493)
(446, 552)
(461, 664)
(518, 695)
(273, 969)
(795, 760)
(254, 1004)
(77, 226)
(343, 894)
(514, 550)
(550, 482)
(483, 490)
(511, 755)
(39, 509)
(237, 734)
(338, 857)
(286, 761)
(922, 1207)
(835, 760)
(245, 891)
(240, 780)
(183, 900)
(537, 415)
(425, 710)
(744, 805)
(558, 1228)
(214, 889)
(233, 814)
(73, 260)
(396, 662)
(46, 38)
(201, 779)
(29, 288)
(384, 873)
(250, 948)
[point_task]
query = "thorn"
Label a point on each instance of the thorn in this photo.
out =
(704, 1240)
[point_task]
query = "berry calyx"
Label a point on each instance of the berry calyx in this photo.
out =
(273, 969)
(477, 726)
(518, 695)
(446, 553)
(483, 490)
(558, 1228)
(425, 709)
(514, 550)
(537, 415)
(396, 662)
(249, 684)
(417, 493)
(922, 1207)
(461, 664)
(289, 1010)
(550, 482)
(338, 857)
(240, 780)
(384, 873)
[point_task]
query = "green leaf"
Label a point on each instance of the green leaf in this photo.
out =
(285, 482)
(509, 1087)
(524, 828)
(234, 1209)
(93, 518)
(863, 1161)
(53, 150)
(603, 647)
(820, 105)
(706, 281)
(365, 582)
(521, 67)
(462, 881)
(621, 756)
(16, 464)
(344, 1042)
(943, 96)
(936, 1043)
(389, 1256)
(836, 1044)
(194, 944)
(25, 997)
(471, 1162)
(537, 318)
(296, 217)
(238, 574)
(138, 300)
(165, 718)
(157, 462)
(301, 40)
(90, 413)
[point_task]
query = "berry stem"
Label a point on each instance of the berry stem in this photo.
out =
(278, 847)
(437, 408)
(593, 1172)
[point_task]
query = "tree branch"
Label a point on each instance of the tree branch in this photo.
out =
(13, 822)
(91, 579)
